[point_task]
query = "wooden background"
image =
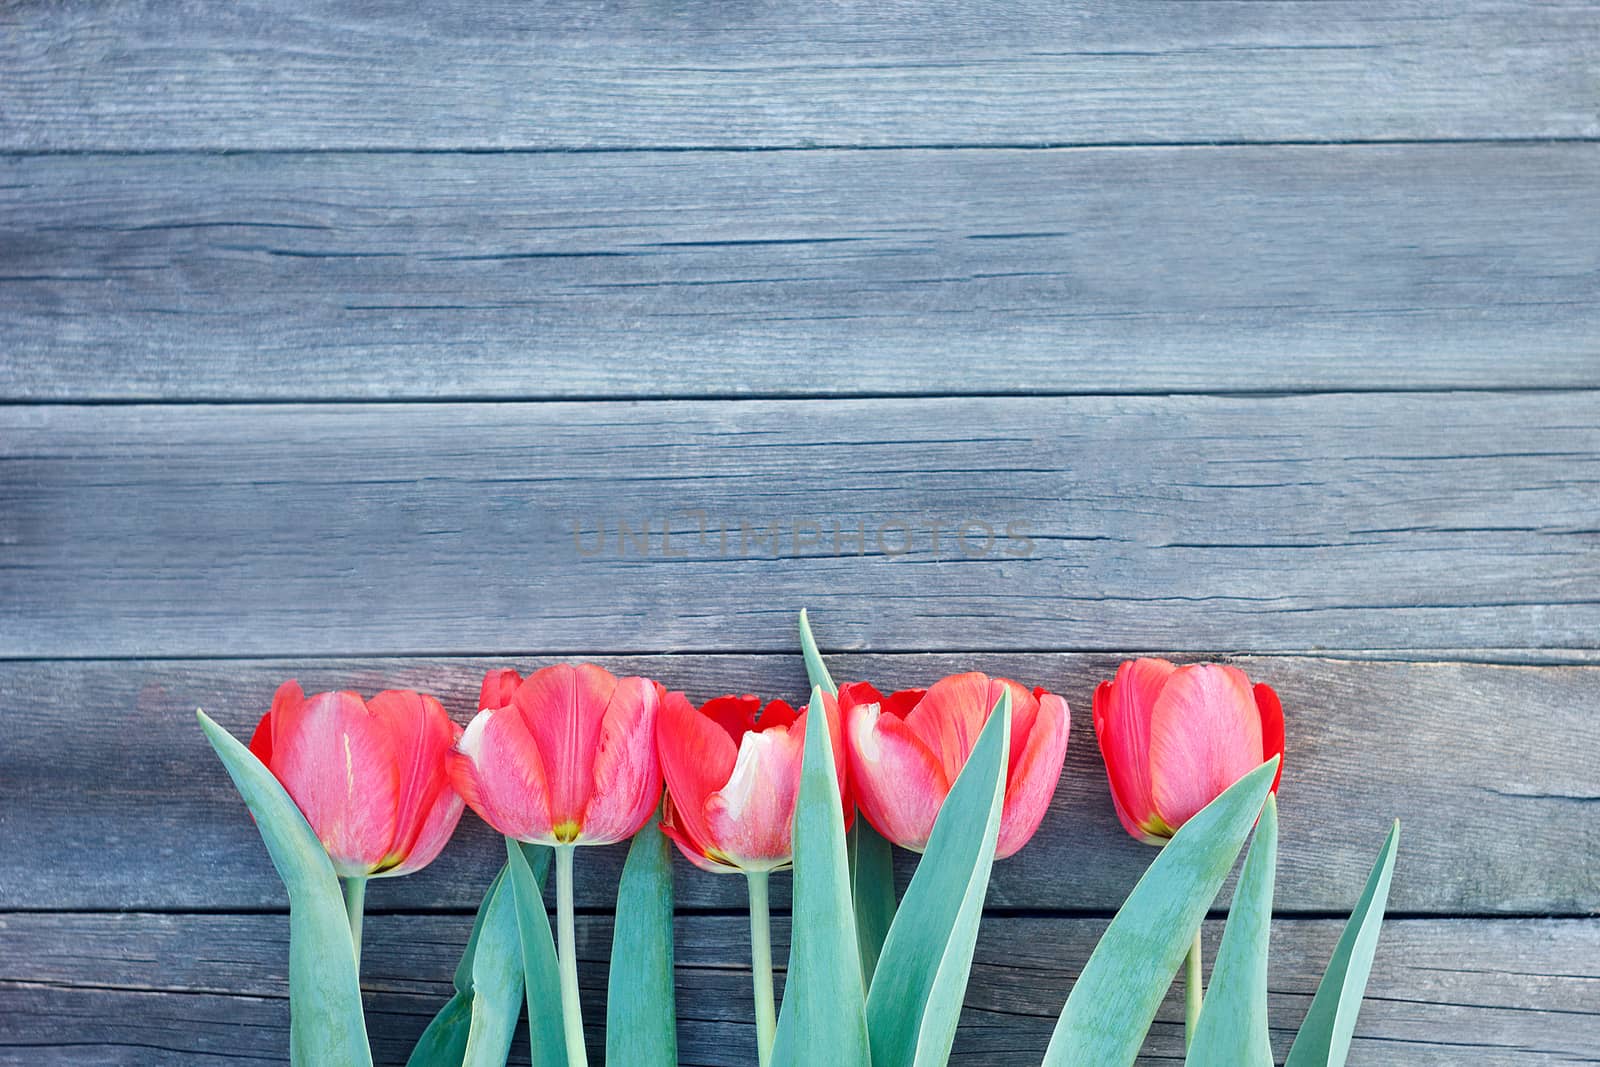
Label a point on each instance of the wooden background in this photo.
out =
(341, 341)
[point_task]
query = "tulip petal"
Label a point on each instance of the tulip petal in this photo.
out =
(498, 689)
(697, 756)
(437, 825)
(421, 735)
(845, 700)
(497, 769)
(899, 704)
(285, 701)
(1205, 734)
(751, 817)
(841, 753)
(1271, 727)
(899, 784)
(672, 826)
(852, 693)
(564, 708)
(1032, 780)
(627, 770)
(1104, 695)
(1024, 710)
(950, 717)
(735, 714)
(1122, 726)
(337, 762)
(781, 713)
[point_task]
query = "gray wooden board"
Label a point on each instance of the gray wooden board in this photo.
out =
(502, 74)
(1382, 521)
(192, 989)
(339, 250)
(111, 799)
(334, 276)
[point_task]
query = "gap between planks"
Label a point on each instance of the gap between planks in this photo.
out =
(840, 146)
(221, 400)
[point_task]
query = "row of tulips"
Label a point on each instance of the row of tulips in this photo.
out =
(573, 755)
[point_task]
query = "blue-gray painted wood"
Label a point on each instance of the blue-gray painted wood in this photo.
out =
(1388, 521)
(324, 257)
(143, 74)
(146, 989)
(800, 273)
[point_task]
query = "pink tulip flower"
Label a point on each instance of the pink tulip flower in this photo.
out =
(733, 777)
(369, 776)
(907, 749)
(565, 756)
(1174, 738)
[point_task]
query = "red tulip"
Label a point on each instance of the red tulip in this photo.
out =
(906, 750)
(369, 776)
(1174, 738)
(564, 756)
(733, 779)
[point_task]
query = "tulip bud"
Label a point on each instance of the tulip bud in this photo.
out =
(907, 749)
(1174, 738)
(369, 776)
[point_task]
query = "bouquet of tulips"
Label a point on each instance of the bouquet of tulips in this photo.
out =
(344, 790)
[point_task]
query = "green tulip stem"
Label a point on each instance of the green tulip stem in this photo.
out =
(567, 951)
(761, 965)
(1192, 991)
(355, 901)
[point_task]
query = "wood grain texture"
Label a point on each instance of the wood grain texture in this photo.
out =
(799, 273)
(190, 990)
(144, 75)
(1260, 523)
(112, 800)
(327, 201)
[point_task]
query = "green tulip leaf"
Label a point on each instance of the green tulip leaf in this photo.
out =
(496, 982)
(444, 1042)
(915, 1000)
(326, 1025)
(641, 1019)
(872, 889)
(463, 975)
(1324, 1038)
(871, 857)
(1128, 974)
(824, 1017)
(816, 669)
(541, 978)
(1233, 1028)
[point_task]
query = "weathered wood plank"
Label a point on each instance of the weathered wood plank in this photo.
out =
(142, 75)
(111, 799)
(1254, 523)
(147, 989)
(800, 273)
